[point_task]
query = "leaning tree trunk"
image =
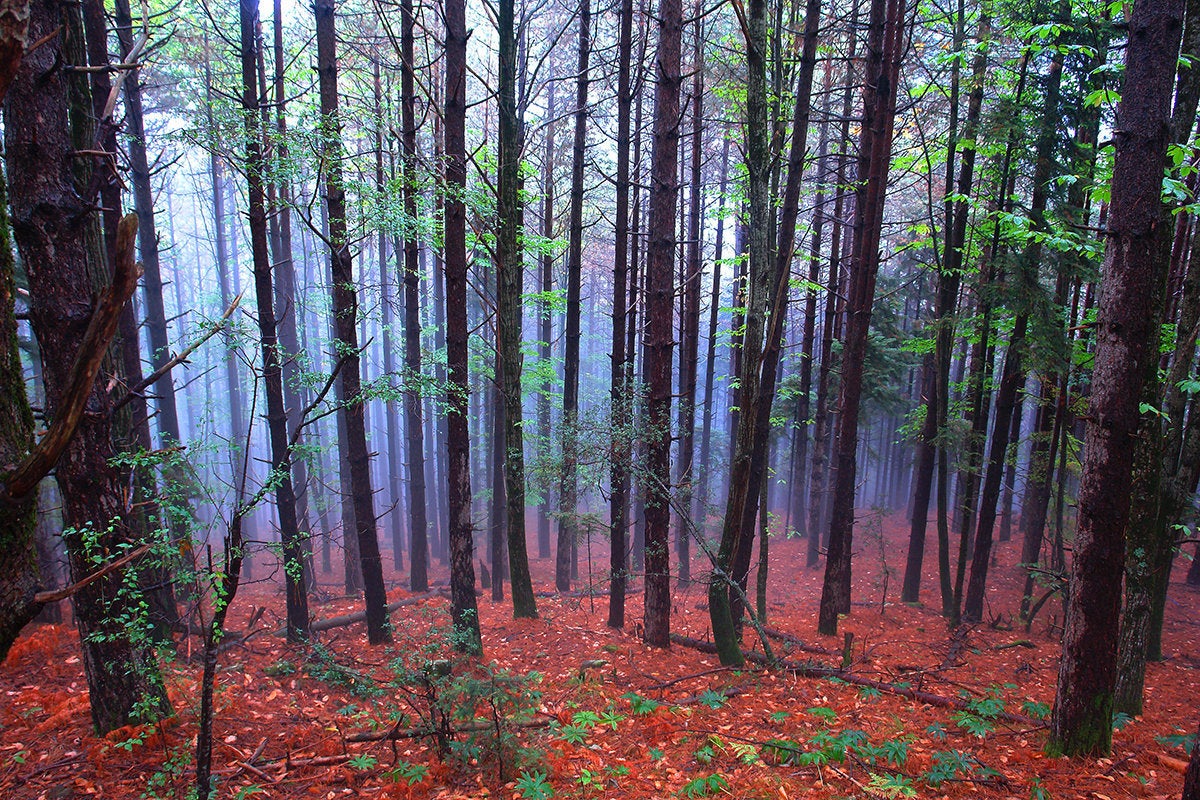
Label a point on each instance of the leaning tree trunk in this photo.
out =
(664, 193)
(885, 49)
(345, 313)
(1125, 335)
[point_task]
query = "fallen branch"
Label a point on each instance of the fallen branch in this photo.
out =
(358, 616)
(820, 671)
(1015, 643)
(396, 734)
(797, 644)
(100, 331)
(55, 595)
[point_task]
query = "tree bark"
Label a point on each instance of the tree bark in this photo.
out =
(458, 468)
(272, 369)
(418, 557)
(510, 268)
(658, 343)
(568, 527)
(58, 238)
(1082, 720)
(885, 49)
(345, 313)
(621, 405)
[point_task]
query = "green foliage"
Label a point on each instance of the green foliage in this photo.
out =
(703, 786)
(362, 762)
(1037, 791)
(324, 667)
(1035, 709)
(641, 705)
(891, 786)
(1185, 740)
(534, 786)
(1120, 720)
(412, 774)
(823, 713)
(713, 700)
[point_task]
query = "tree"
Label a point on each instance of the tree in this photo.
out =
(58, 238)
(510, 268)
(345, 316)
(622, 358)
(1082, 718)
(658, 340)
(272, 369)
(568, 529)
(458, 473)
(418, 521)
(885, 47)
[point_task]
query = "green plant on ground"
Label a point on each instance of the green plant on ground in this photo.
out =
(704, 786)
(534, 786)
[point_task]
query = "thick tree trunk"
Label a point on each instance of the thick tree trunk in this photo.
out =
(664, 192)
(345, 313)
(1082, 719)
(59, 242)
(458, 468)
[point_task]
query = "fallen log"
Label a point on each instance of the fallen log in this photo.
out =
(796, 643)
(358, 616)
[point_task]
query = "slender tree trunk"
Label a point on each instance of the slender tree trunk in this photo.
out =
(714, 308)
(345, 313)
(567, 523)
(546, 312)
(885, 49)
(621, 404)
(510, 267)
(462, 567)
(689, 321)
(664, 192)
(1131, 284)
(285, 498)
(418, 522)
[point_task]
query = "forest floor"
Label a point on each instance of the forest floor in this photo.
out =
(604, 715)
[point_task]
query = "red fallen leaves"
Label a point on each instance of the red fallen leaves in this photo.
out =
(650, 755)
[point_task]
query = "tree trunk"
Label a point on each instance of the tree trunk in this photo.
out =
(345, 313)
(621, 405)
(510, 267)
(59, 243)
(567, 523)
(885, 49)
(689, 320)
(664, 192)
(546, 312)
(458, 468)
(272, 371)
(418, 555)
(1082, 719)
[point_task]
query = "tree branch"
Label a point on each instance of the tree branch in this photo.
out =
(182, 356)
(100, 331)
(61, 594)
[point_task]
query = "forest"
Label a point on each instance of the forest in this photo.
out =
(531, 399)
